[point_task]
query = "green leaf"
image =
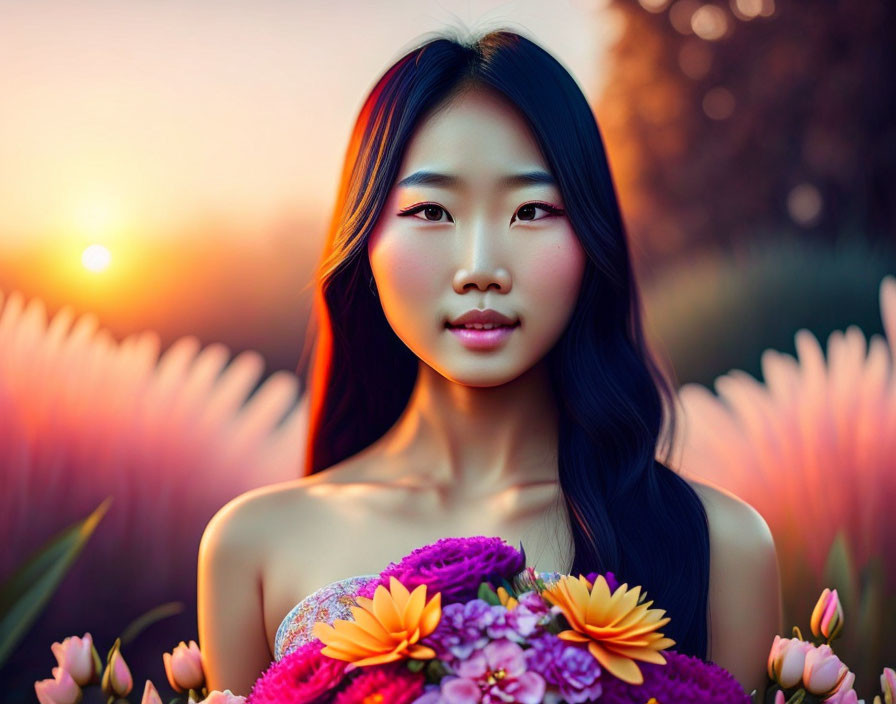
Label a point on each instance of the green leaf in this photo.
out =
(870, 618)
(27, 591)
(416, 665)
(141, 623)
(487, 594)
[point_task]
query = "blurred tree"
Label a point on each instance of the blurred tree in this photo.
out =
(725, 121)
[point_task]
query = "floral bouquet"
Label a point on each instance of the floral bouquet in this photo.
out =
(463, 620)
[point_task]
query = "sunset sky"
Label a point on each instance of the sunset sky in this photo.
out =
(129, 119)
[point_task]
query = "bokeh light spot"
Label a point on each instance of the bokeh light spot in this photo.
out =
(804, 204)
(709, 22)
(718, 103)
(695, 59)
(751, 9)
(654, 5)
(680, 15)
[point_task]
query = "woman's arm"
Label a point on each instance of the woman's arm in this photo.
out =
(745, 591)
(231, 621)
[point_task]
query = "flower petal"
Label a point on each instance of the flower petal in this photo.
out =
(385, 611)
(617, 665)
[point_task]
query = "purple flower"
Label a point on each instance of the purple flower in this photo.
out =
(496, 673)
(464, 628)
(530, 612)
(461, 630)
(453, 566)
(682, 678)
(612, 582)
(571, 669)
(431, 695)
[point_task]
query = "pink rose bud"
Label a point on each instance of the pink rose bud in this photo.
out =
(888, 685)
(76, 656)
(150, 694)
(827, 616)
(62, 689)
(787, 659)
(225, 697)
(844, 694)
(183, 666)
(779, 697)
(823, 671)
(117, 680)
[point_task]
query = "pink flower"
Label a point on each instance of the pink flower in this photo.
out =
(150, 694)
(304, 675)
(823, 671)
(183, 666)
(62, 689)
(888, 685)
(390, 683)
(79, 658)
(779, 697)
(497, 673)
(844, 693)
(225, 697)
(117, 680)
(787, 660)
(827, 616)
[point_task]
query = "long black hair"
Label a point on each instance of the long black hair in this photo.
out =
(628, 512)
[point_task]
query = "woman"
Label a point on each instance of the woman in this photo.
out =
(476, 190)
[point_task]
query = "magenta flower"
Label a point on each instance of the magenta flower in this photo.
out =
(300, 677)
(682, 679)
(453, 566)
(497, 673)
(383, 683)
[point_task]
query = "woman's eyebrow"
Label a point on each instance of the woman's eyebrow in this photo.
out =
(433, 178)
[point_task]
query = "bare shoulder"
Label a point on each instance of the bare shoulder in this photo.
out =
(731, 519)
(744, 587)
(252, 522)
(233, 613)
(742, 548)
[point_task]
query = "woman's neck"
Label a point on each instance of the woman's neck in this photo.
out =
(477, 439)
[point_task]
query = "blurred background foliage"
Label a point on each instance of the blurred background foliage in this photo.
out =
(718, 312)
(731, 121)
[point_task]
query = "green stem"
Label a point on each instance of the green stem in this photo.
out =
(797, 697)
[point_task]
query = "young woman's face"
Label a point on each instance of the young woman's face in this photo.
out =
(472, 238)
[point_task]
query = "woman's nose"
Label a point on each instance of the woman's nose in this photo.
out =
(480, 260)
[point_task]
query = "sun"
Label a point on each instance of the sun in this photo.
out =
(96, 258)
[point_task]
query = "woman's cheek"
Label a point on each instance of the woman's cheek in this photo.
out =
(408, 277)
(404, 265)
(553, 275)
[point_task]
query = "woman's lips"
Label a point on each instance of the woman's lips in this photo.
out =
(474, 339)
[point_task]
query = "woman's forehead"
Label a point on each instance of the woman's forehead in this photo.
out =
(477, 133)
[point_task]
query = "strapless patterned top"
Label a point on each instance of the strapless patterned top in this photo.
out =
(330, 602)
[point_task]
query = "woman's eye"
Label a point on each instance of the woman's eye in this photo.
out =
(528, 211)
(431, 213)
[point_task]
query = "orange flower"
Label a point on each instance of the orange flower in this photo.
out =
(386, 628)
(617, 629)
